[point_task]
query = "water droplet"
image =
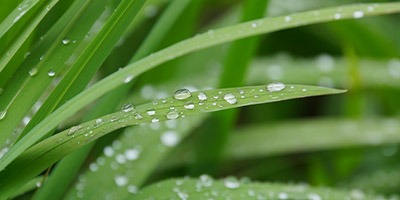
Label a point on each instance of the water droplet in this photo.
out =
(182, 94)
(108, 151)
(127, 107)
(65, 41)
(172, 114)
(93, 167)
(283, 195)
(230, 98)
(313, 196)
(151, 112)
(288, 18)
(132, 189)
(155, 120)
(231, 183)
(370, 8)
(202, 96)
(99, 121)
(358, 14)
(128, 78)
(41, 57)
(73, 129)
(393, 68)
(337, 16)
(51, 73)
(132, 154)
(189, 106)
(3, 114)
(138, 116)
(120, 159)
(304, 90)
(33, 71)
(170, 138)
(275, 87)
(206, 180)
(254, 25)
(121, 180)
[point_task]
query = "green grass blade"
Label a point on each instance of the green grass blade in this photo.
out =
(231, 188)
(199, 42)
(185, 104)
(333, 134)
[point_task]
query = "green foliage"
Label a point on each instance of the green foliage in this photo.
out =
(100, 98)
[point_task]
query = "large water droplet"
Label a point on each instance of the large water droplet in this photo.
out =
(182, 94)
(230, 98)
(121, 180)
(51, 73)
(3, 114)
(202, 96)
(275, 87)
(206, 180)
(155, 120)
(127, 107)
(33, 71)
(172, 114)
(170, 138)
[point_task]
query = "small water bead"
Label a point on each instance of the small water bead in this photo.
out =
(230, 98)
(202, 96)
(182, 94)
(93, 167)
(169, 138)
(128, 78)
(99, 121)
(172, 114)
(151, 112)
(283, 195)
(127, 107)
(120, 159)
(313, 196)
(288, 18)
(138, 116)
(189, 106)
(33, 71)
(254, 25)
(304, 90)
(337, 16)
(65, 41)
(206, 180)
(358, 14)
(51, 73)
(121, 180)
(155, 120)
(275, 87)
(73, 129)
(3, 114)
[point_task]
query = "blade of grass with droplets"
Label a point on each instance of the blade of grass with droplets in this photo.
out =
(129, 160)
(182, 104)
(220, 36)
(232, 188)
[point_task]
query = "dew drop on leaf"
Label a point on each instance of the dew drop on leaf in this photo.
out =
(182, 94)
(33, 71)
(275, 87)
(121, 180)
(132, 154)
(189, 106)
(230, 98)
(202, 96)
(65, 41)
(155, 120)
(108, 151)
(151, 112)
(132, 189)
(51, 73)
(231, 183)
(169, 138)
(172, 114)
(358, 14)
(283, 195)
(128, 78)
(127, 107)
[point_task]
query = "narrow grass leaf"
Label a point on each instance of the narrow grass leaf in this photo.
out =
(231, 188)
(183, 103)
